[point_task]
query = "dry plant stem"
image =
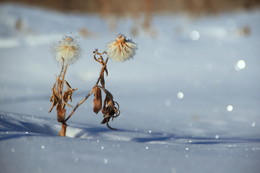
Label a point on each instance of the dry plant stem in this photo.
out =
(63, 129)
(79, 103)
(63, 77)
(103, 62)
(61, 111)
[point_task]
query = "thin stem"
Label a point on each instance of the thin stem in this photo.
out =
(63, 74)
(62, 67)
(63, 129)
(79, 103)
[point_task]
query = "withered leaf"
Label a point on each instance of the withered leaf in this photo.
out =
(109, 108)
(97, 102)
(66, 96)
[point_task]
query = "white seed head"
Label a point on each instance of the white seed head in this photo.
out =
(66, 49)
(121, 49)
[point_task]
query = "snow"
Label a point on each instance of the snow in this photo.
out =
(189, 99)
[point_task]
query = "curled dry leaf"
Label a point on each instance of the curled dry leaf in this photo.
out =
(97, 102)
(54, 99)
(67, 95)
(109, 108)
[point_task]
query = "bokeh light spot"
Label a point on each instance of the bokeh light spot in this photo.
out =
(194, 35)
(230, 108)
(180, 95)
(240, 65)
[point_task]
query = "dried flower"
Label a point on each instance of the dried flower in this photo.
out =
(121, 49)
(66, 50)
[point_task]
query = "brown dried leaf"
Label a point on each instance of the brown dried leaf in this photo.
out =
(108, 94)
(54, 98)
(66, 96)
(109, 107)
(97, 102)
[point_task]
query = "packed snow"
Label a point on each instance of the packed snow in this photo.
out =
(189, 99)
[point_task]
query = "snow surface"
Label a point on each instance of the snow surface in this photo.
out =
(189, 100)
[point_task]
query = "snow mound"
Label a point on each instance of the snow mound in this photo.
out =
(32, 143)
(15, 125)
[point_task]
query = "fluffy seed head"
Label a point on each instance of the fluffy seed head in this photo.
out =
(121, 49)
(66, 49)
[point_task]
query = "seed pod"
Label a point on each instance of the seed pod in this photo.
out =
(97, 102)
(66, 50)
(121, 49)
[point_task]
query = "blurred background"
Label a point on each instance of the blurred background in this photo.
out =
(133, 7)
(112, 10)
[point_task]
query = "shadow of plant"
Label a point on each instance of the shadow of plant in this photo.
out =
(157, 137)
(173, 138)
(16, 126)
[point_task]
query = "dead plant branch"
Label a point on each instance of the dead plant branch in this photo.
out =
(78, 104)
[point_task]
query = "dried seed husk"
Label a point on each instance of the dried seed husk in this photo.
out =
(97, 102)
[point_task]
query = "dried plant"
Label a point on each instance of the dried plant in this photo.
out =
(121, 49)
(110, 108)
(67, 52)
